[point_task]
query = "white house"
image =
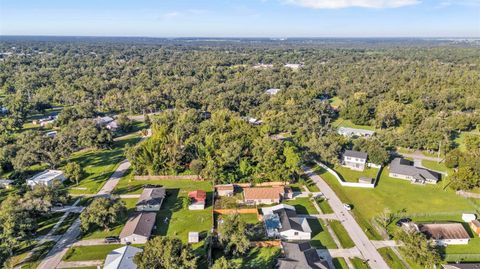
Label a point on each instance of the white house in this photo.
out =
(354, 132)
(355, 160)
(46, 178)
(272, 91)
(444, 234)
(138, 228)
(281, 221)
(468, 217)
(121, 258)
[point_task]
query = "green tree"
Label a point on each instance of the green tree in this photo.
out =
(166, 253)
(232, 235)
(417, 248)
(104, 213)
(73, 171)
(223, 263)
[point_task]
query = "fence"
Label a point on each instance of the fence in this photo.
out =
(344, 183)
(264, 184)
(262, 244)
(179, 177)
(469, 194)
(236, 211)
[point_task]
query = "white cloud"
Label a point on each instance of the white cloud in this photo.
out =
(335, 4)
(447, 3)
(170, 15)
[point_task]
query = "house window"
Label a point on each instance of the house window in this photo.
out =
(296, 233)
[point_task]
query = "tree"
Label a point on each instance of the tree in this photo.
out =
(185, 202)
(73, 171)
(41, 198)
(166, 253)
(418, 249)
(196, 166)
(223, 263)
(464, 178)
(124, 123)
(103, 212)
(232, 235)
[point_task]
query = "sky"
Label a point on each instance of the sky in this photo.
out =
(242, 18)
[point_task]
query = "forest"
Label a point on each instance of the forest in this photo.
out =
(418, 95)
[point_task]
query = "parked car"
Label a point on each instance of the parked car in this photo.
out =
(347, 207)
(58, 205)
(112, 239)
(400, 222)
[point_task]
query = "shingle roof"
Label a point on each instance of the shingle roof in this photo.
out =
(198, 195)
(299, 256)
(263, 193)
(121, 258)
(139, 224)
(462, 266)
(151, 196)
(290, 221)
(439, 231)
(355, 154)
(404, 167)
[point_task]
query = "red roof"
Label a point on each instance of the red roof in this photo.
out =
(198, 195)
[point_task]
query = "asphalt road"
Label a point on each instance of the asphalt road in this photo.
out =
(364, 245)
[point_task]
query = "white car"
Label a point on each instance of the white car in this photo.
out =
(347, 207)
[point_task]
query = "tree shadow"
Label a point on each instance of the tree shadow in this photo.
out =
(317, 228)
(171, 204)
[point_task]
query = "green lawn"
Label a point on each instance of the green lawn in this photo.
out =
(46, 223)
(98, 165)
(264, 258)
(359, 263)
(436, 166)
(34, 260)
(341, 233)
(324, 206)
(335, 102)
(397, 195)
(339, 263)
(352, 176)
(302, 205)
(89, 253)
(249, 218)
(67, 222)
(320, 236)
(348, 123)
(391, 258)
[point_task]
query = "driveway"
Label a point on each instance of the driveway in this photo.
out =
(362, 243)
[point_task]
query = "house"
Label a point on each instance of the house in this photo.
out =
(293, 66)
(193, 237)
(5, 183)
(225, 190)
(468, 217)
(151, 199)
(254, 121)
(121, 258)
(444, 234)
(475, 265)
(404, 169)
(138, 228)
(354, 132)
(272, 91)
(299, 256)
(355, 160)
(281, 221)
(44, 121)
(475, 226)
(51, 134)
(260, 65)
(112, 126)
(46, 178)
(265, 195)
(103, 121)
(198, 198)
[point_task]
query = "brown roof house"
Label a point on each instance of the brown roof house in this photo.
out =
(475, 225)
(444, 234)
(151, 199)
(266, 195)
(138, 228)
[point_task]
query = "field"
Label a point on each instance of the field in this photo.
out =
(89, 253)
(350, 175)
(436, 166)
(302, 205)
(98, 165)
(259, 258)
(399, 195)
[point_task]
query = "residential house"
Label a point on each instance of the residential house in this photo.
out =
(299, 256)
(46, 178)
(103, 121)
(473, 265)
(225, 190)
(5, 183)
(467, 217)
(265, 195)
(51, 134)
(121, 258)
(198, 198)
(151, 199)
(444, 234)
(193, 237)
(404, 169)
(112, 126)
(355, 160)
(281, 221)
(272, 91)
(475, 226)
(354, 132)
(138, 228)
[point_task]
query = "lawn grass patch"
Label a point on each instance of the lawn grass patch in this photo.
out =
(359, 263)
(391, 258)
(321, 238)
(303, 205)
(339, 263)
(37, 256)
(46, 222)
(341, 233)
(432, 165)
(249, 218)
(340, 122)
(264, 258)
(350, 175)
(89, 253)
(67, 222)
(324, 205)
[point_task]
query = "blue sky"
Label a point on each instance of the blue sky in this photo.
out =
(242, 18)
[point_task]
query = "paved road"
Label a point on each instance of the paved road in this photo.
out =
(363, 244)
(82, 264)
(420, 156)
(341, 252)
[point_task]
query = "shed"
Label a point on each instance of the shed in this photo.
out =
(193, 237)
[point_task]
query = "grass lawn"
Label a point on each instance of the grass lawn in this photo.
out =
(359, 263)
(320, 236)
(89, 253)
(473, 247)
(46, 223)
(391, 258)
(341, 233)
(339, 263)
(34, 260)
(397, 195)
(98, 165)
(350, 175)
(249, 218)
(335, 102)
(348, 123)
(67, 222)
(302, 205)
(264, 258)
(436, 166)
(324, 206)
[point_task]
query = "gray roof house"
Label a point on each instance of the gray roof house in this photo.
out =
(299, 256)
(138, 228)
(475, 265)
(151, 199)
(404, 169)
(121, 258)
(282, 221)
(355, 160)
